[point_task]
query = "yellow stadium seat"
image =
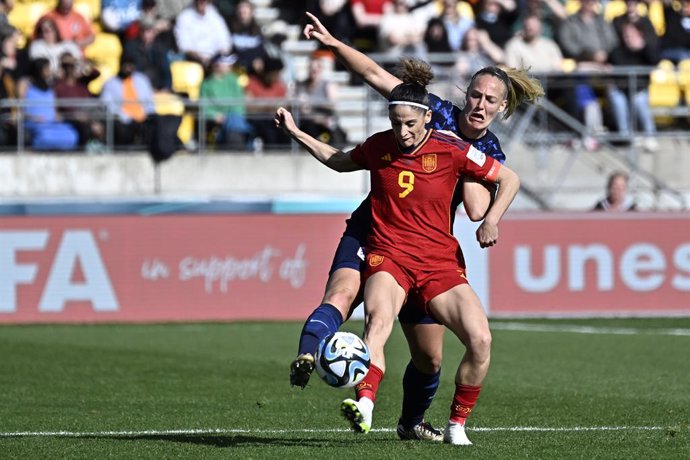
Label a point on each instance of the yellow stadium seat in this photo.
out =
(24, 16)
(187, 77)
(656, 15)
(615, 8)
(664, 89)
(105, 53)
(90, 9)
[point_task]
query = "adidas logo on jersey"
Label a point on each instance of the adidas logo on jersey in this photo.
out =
(386, 157)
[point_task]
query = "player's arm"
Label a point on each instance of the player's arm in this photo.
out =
(508, 186)
(477, 197)
(330, 156)
(357, 63)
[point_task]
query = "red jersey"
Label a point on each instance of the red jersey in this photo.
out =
(411, 195)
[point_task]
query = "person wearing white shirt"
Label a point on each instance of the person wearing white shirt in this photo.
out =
(201, 32)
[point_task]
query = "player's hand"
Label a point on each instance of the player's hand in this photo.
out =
(316, 30)
(283, 120)
(487, 234)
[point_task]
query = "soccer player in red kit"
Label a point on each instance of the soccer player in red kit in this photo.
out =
(414, 171)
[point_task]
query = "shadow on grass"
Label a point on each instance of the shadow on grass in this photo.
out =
(231, 440)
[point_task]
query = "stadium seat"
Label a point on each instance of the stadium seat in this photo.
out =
(664, 90)
(105, 53)
(186, 78)
(684, 78)
(90, 9)
(615, 8)
(24, 16)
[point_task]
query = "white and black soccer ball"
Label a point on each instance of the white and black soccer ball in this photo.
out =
(342, 359)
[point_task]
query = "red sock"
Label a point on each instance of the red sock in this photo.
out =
(368, 387)
(463, 401)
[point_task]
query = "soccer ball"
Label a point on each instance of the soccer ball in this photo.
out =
(342, 360)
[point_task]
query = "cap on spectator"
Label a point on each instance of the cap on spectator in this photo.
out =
(227, 59)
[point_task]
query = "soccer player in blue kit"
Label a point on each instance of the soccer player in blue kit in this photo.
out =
(492, 91)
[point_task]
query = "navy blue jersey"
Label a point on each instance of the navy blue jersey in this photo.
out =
(444, 117)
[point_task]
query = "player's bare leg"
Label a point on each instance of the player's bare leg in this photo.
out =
(383, 298)
(461, 311)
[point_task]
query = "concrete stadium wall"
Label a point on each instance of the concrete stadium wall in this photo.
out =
(29, 175)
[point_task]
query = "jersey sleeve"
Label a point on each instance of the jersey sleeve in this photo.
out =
(361, 154)
(477, 164)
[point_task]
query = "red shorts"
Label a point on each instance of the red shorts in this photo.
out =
(428, 283)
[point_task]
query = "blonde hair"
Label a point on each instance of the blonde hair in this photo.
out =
(520, 86)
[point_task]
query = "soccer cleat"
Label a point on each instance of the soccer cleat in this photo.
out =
(358, 413)
(455, 434)
(301, 369)
(420, 432)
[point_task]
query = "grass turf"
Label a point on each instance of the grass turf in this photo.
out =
(141, 391)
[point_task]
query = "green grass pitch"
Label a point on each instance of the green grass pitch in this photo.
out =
(604, 388)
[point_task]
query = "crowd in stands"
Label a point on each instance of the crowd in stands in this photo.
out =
(121, 53)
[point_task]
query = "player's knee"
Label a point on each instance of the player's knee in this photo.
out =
(341, 299)
(480, 345)
(428, 364)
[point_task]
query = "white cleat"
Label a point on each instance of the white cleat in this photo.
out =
(358, 413)
(455, 434)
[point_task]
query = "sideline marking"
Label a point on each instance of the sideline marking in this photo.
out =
(210, 431)
(528, 327)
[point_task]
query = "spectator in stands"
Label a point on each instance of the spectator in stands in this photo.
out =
(436, 37)
(477, 52)
(617, 198)
(263, 93)
(551, 13)
(71, 25)
(5, 27)
(638, 46)
(400, 33)
(336, 15)
(129, 96)
(201, 32)
(247, 39)
(150, 55)
(456, 24)
(163, 27)
(48, 44)
(529, 49)
(292, 11)
(170, 9)
(675, 43)
(76, 75)
(367, 15)
(588, 38)
(497, 18)
(224, 105)
(10, 74)
(317, 96)
(117, 15)
(43, 124)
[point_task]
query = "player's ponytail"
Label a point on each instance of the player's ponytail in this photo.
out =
(416, 75)
(520, 87)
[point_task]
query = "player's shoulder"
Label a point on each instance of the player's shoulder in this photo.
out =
(381, 137)
(449, 140)
(490, 145)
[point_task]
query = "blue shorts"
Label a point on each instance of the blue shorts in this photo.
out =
(350, 254)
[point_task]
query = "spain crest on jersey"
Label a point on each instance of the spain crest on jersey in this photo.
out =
(429, 162)
(375, 259)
